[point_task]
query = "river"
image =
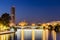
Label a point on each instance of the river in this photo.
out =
(32, 34)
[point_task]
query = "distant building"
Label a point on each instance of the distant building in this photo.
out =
(33, 24)
(12, 16)
(23, 23)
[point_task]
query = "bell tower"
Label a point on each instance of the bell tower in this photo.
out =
(13, 16)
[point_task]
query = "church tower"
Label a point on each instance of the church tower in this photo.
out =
(12, 16)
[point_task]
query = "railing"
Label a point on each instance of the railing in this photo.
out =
(6, 35)
(26, 34)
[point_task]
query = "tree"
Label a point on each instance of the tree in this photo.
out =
(5, 19)
(50, 27)
(57, 28)
(0, 23)
(0, 20)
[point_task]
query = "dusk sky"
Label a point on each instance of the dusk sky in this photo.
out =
(32, 10)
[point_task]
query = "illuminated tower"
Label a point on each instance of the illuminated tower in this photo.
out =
(13, 16)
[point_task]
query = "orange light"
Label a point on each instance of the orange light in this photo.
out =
(43, 24)
(22, 23)
(33, 24)
(11, 24)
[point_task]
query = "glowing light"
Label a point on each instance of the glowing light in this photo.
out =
(11, 24)
(33, 35)
(22, 23)
(22, 34)
(3, 27)
(54, 35)
(48, 23)
(33, 24)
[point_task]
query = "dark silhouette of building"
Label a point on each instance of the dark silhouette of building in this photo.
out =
(13, 15)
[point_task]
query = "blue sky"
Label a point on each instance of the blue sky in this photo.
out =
(32, 10)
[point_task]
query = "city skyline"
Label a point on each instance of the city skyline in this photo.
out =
(32, 11)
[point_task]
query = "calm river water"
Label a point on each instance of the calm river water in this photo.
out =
(32, 34)
(36, 34)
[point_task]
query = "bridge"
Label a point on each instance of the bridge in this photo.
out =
(28, 27)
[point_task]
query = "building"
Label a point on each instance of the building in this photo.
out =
(23, 23)
(12, 16)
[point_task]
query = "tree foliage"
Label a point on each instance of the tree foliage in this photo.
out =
(5, 19)
(0, 20)
(57, 28)
(50, 27)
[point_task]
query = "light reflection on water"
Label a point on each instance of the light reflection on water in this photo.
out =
(38, 34)
(32, 34)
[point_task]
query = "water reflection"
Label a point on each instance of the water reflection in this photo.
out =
(53, 35)
(18, 34)
(45, 34)
(38, 34)
(58, 36)
(32, 34)
(28, 35)
(4, 37)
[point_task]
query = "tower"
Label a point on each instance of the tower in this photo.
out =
(13, 16)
